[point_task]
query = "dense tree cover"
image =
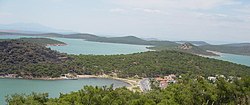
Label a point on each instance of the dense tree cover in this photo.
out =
(197, 91)
(27, 59)
(154, 63)
(32, 60)
(39, 41)
(192, 49)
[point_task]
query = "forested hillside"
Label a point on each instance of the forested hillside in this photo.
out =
(29, 59)
(240, 49)
(154, 63)
(185, 47)
(32, 60)
(39, 41)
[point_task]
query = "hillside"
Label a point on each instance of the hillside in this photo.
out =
(32, 60)
(40, 41)
(238, 48)
(190, 48)
(155, 63)
(29, 59)
(196, 43)
(185, 47)
(125, 40)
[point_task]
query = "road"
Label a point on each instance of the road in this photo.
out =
(145, 85)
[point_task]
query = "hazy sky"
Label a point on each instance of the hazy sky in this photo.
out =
(209, 20)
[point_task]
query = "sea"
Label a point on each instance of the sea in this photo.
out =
(54, 88)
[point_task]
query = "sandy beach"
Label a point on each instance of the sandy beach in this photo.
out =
(133, 82)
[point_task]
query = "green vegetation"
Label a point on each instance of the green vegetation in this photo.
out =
(186, 47)
(39, 41)
(187, 91)
(240, 49)
(43, 41)
(197, 43)
(30, 60)
(154, 63)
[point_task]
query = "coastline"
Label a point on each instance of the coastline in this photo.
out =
(133, 83)
(217, 54)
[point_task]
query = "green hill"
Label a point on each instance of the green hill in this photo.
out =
(30, 60)
(40, 41)
(185, 47)
(155, 63)
(240, 48)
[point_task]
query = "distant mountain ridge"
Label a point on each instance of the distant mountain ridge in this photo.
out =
(30, 28)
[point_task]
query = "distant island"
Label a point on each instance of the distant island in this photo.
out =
(195, 47)
(237, 48)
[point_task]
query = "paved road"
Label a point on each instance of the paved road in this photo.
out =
(145, 84)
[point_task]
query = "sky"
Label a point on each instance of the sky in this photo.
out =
(207, 20)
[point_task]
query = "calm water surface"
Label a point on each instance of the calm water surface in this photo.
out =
(80, 46)
(54, 88)
(239, 59)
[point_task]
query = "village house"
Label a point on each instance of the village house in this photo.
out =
(166, 80)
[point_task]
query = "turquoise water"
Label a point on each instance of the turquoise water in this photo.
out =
(54, 88)
(239, 59)
(80, 46)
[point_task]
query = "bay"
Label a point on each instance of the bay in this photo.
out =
(54, 88)
(239, 59)
(81, 46)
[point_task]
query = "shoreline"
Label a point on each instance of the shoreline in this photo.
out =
(217, 54)
(132, 82)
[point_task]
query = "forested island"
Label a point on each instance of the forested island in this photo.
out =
(238, 48)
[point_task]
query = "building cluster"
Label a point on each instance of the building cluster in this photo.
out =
(166, 80)
(229, 78)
